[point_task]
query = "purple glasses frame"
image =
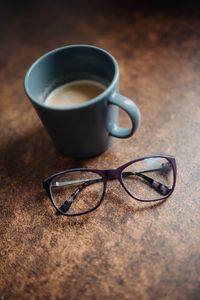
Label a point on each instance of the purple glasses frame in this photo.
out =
(108, 175)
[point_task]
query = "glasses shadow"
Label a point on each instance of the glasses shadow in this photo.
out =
(122, 198)
(120, 210)
(113, 217)
(142, 206)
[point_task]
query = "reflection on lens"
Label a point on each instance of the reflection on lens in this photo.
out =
(149, 179)
(77, 192)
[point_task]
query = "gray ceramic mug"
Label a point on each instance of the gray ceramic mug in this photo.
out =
(85, 130)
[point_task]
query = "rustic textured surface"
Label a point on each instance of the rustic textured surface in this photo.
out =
(124, 250)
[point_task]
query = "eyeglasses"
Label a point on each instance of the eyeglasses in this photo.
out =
(75, 192)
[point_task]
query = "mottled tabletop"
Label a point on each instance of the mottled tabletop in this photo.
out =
(125, 249)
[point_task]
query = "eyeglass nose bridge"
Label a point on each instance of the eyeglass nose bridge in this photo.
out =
(111, 174)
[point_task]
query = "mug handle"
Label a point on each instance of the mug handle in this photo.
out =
(131, 109)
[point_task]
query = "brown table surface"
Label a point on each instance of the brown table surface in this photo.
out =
(125, 249)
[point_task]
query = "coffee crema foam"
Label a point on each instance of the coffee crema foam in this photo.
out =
(74, 93)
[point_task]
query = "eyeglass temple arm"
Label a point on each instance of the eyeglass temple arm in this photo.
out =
(159, 187)
(71, 182)
(66, 205)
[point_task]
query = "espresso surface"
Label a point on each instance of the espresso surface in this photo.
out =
(74, 93)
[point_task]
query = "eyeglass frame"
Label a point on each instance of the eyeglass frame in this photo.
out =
(108, 174)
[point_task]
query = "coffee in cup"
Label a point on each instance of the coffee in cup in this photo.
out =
(74, 93)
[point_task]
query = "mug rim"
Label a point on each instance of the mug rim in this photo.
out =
(88, 103)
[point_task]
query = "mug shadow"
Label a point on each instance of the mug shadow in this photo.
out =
(33, 157)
